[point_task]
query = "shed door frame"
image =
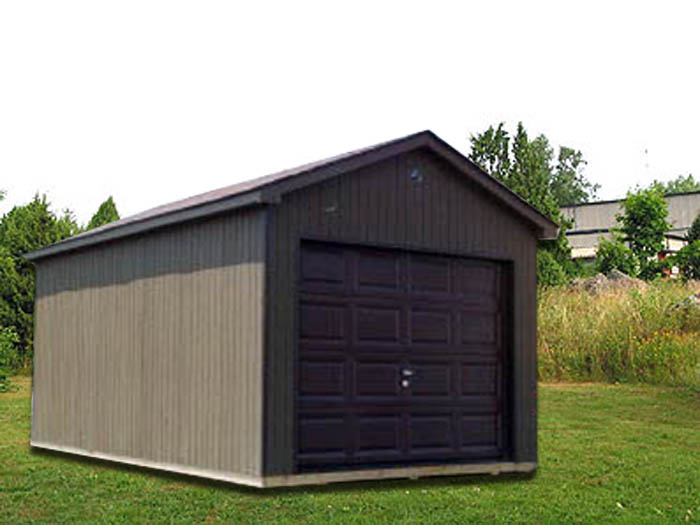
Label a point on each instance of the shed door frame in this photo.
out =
(507, 376)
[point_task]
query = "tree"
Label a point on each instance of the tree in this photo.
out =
(498, 155)
(522, 165)
(568, 183)
(527, 168)
(24, 229)
(549, 271)
(106, 213)
(643, 224)
(614, 255)
(680, 184)
(694, 231)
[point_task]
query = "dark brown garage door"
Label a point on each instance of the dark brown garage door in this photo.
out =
(400, 358)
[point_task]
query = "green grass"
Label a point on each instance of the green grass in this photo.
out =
(608, 453)
(620, 335)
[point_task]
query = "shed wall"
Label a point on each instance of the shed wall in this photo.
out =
(150, 348)
(437, 209)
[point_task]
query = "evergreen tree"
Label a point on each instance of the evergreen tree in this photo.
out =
(24, 229)
(106, 213)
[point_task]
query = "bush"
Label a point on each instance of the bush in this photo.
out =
(549, 271)
(614, 255)
(653, 269)
(644, 223)
(8, 350)
(622, 335)
(688, 260)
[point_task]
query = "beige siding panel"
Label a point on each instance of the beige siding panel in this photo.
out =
(151, 348)
(441, 211)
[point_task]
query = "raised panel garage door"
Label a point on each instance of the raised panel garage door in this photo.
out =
(401, 358)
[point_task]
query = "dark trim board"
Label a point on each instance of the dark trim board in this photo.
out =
(406, 247)
(270, 217)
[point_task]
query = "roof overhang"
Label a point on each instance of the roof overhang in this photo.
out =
(252, 198)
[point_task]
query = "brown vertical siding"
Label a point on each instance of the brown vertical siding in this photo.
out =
(381, 204)
(151, 348)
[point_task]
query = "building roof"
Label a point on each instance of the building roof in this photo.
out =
(270, 188)
(600, 217)
(609, 201)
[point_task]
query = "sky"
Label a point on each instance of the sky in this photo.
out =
(154, 101)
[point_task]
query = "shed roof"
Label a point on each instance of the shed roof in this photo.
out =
(269, 189)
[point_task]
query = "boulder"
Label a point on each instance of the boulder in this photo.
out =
(615, 280)
(622, 280)
(594, 285)
(691, 302)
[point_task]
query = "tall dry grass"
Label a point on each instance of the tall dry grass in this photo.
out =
(623, 335)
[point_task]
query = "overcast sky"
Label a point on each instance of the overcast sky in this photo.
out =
(151, 102)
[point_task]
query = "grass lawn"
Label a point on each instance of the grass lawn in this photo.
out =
(608, 453)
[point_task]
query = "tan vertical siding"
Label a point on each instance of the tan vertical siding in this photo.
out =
(150, 348)
(381, 204)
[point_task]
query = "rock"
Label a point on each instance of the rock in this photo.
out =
(689, 303)
(596, 284)
(615, 280)
(617, 275)
(622, 280)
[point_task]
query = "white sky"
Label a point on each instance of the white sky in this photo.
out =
(151, 101)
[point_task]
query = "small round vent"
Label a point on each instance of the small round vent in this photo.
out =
(416, 175)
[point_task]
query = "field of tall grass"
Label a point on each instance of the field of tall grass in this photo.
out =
(620, 335)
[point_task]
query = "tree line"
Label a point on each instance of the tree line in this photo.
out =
(24, 229)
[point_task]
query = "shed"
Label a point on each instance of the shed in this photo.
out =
(368, 316)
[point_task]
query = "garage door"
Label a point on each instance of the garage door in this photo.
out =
(400, 358)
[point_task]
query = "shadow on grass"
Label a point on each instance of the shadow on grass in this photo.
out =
(345, 487)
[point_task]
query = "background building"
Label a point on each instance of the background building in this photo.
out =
(595, 220)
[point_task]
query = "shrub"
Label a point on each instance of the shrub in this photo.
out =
(549, 271)
(614, 255)
(688, 260)
(8, 350)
